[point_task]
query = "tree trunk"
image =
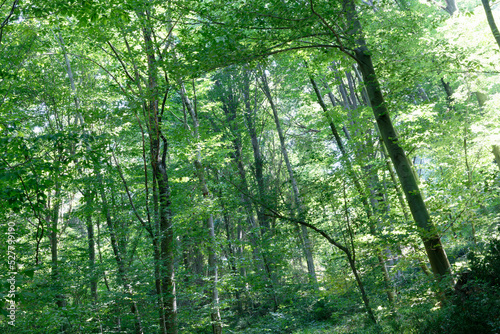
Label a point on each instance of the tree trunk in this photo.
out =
(53, 218)
(451, 7)
(361, 287)
(357, 184)
(167, 253)
(491, 21)
(161, 191)
(496, 153)
(402, 204)
(432, 242)
(296, 195)
(91, 243)
(258, 161)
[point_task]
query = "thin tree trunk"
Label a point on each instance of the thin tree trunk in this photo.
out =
(361, 287)
(296, 195)
(167, 252)
(91, 244)
(260, 257)
(122, 272)
(53, 237)
(258, 160)
(390, 293)
(351, 257)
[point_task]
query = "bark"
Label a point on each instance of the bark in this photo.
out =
(432, 242)
(91, 244)
(496, 153)
(451, 7)
(161, 193)
(258, 160)
(358, 186)
(491, 21)
(296, 195)
(229, 106)
(401, 200)
(435, 251)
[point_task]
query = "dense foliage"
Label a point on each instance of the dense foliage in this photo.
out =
(249, 166)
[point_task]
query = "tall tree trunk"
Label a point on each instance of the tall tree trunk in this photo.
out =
(258, 160)
(432, 242)
(358, 186)
(161, 190)
(402, 204)
(296, 195)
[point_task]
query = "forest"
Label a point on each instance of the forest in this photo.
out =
(249, 166)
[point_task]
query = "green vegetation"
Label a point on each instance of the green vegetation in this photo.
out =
(216, 166)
